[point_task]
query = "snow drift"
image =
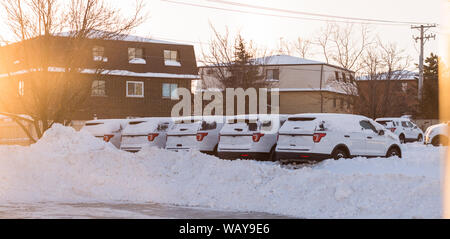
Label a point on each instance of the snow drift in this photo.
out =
(75, 167)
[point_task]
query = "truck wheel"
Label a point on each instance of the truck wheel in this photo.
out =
(339, 153)
(272, 155)
(420, 138)
(439, 140)
(392, 152)
(402, 139)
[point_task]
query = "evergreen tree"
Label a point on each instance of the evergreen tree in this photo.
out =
(429, 106)
(244, 71)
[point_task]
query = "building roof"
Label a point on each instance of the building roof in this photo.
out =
(285, 60)
(395, 75)
(121, 37)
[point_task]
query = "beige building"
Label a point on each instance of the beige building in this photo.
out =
(305, 86)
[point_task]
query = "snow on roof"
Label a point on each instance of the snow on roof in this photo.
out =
(279, 60)
(111, 72)
(120, 37)
(395, 75)
(285, 60)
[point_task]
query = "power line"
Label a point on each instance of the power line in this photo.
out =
(314, 14)
(349, 19)
(277, 15)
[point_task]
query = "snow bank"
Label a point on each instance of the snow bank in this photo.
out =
(68, 166)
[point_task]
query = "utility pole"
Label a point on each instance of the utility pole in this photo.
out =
(422, 38)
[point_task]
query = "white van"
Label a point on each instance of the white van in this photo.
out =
(110, 130)
(250, 137)
(315, 137)
(145, 131)
(406, 130)
(195, 133)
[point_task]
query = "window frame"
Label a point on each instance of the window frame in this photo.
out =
(135, 50)
(277, 71)
(177, 57)
(97, 57)
(135, 82)
(92, 88)
(171, 90)
(404, 86)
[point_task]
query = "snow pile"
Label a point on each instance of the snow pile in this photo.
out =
(68, 166)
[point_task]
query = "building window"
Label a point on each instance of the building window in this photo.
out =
(98, 88)
(273, 75)
(98, 53)
(136, 56)
(169, 91)
(21, 88)
(344, 77)
(352, 79)
(404, 87)
(337, 75)
(171, 58)
(135, 89)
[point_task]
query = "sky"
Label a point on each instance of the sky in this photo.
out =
(191, 24)
(170, 20)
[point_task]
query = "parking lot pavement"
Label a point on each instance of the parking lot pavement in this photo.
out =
(102, 210)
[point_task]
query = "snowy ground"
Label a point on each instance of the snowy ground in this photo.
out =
(68, 168)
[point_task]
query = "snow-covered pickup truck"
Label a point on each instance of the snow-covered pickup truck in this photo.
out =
(250, 137)
(195, 133)
(406, 130)
(437, 134)
(110, 130)
(145, 131)
(315, 137)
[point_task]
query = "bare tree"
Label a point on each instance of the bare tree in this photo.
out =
(344, 45)
(52, 94)
(233, 63)
(380, 93)
(303, 47)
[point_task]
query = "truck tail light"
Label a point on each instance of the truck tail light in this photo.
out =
(152, 137)
(318, 136)
(107, 137)
(201, 136)
(256, 137)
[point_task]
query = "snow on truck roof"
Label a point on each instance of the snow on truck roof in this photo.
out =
(146, 125)
(392, 119)
(327, 116)
(104, 126)
(340, 122)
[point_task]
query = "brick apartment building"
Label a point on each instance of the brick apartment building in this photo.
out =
(140, 76)
(402, 88)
